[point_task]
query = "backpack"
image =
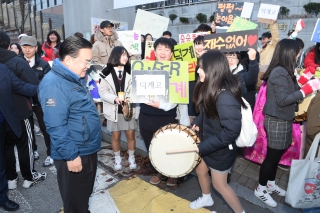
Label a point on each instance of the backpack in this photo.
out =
(249, 130)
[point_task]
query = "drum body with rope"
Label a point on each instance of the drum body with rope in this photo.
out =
(174, 137)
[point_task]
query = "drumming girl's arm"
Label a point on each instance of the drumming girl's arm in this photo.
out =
(106, 93)
(167, 106)
(197, 121)
(230, 119)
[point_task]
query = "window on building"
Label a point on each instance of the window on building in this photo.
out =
(55, 2)
(48, 3)
(41, 4)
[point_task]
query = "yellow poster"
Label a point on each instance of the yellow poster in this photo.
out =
(178, 77)
(186, 52)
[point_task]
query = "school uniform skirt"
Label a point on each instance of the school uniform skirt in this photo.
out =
(121, 125)
(279, 132)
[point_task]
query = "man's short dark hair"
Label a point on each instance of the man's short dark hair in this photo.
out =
(167, 33)
(165, 42)
(78, 34)
(204, 28)
(4, 40)
(72, 45)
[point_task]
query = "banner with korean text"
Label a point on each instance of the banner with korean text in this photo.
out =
(149, 88)
(131, 40)
(190, 36)
(186, 52)
(316, 32)
(233, 41)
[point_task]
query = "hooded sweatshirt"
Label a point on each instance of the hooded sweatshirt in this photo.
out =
(24, 72)
(103, 46)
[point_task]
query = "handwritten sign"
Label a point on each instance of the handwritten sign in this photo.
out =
(186, 52)
(190, 36)
(148, 22)
(233, 41)
(316, 32)
(131, 40)
(240, 24)
(93, 80)
(118, 25)
(268, 12)
(178, 77)
(150, 85)
(226, 12)
(149, 51)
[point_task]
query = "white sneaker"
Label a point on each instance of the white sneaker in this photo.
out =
(117, 163)
(48, 162)
(265, 197)
(12, 184)
(200, 202)
(37, 178)
(276, 189)
(132, 163)
(36, 155)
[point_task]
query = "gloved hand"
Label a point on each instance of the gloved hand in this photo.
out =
(311, 86)
(307, 74)
(299, 25)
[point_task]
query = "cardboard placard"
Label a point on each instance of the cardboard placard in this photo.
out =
(178, 77)
(233, 41)
(240, 24)
(118, 25)
(131, 40)
(186, 52)
(247, 10)
(268, 12)
(150, 85)
(226, 12)
(190, 36)
(149, 51)
(316, 32)
(148, 22)
(93, 80)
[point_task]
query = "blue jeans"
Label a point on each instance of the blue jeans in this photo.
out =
(3, 179)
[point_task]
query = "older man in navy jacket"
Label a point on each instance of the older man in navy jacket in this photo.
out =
(72, 122)
(9, 83)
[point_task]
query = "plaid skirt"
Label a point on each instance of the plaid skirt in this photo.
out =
(279, 132)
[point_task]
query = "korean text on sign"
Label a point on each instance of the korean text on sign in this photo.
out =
(233, 41)
(186, 52)
(190, 36)
(178, 77)
(226, 12)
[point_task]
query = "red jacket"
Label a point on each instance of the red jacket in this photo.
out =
(51, 53)
(309, 60)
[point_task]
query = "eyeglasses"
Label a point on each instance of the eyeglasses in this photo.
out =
(84, 63)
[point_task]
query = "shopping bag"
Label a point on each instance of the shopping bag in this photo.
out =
(304, 180)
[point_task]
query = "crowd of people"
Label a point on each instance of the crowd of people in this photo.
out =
(70, 124)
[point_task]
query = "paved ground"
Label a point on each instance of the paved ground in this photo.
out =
(45, 197)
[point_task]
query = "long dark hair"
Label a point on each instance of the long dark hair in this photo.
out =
(317, 53)
(217, 78)
(284, 55)
(53, 32)
(115, 56)
(18, 46)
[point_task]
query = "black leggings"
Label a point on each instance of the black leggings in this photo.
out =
(268, 169)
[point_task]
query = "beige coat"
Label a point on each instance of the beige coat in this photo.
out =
(103, 46)
(108, 94)
(267, 53)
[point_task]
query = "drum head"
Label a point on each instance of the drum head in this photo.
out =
(173, 165)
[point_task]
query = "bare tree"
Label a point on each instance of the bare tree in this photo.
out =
(23, 11)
